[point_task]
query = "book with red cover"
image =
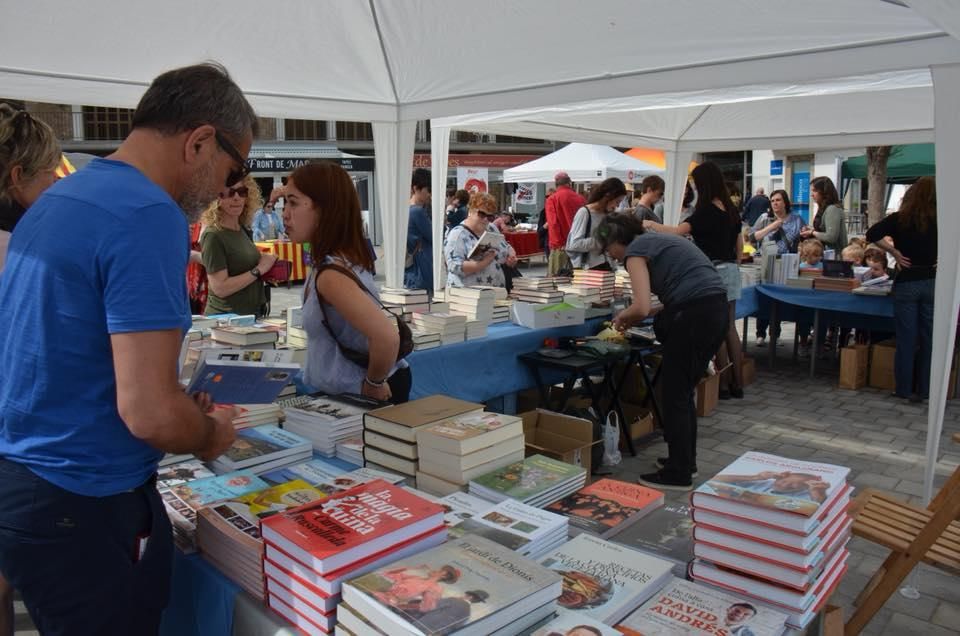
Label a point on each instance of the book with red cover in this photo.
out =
(351, 525)
(607, 506)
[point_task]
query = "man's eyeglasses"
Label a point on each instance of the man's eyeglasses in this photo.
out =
(237, 174)
(229, 192)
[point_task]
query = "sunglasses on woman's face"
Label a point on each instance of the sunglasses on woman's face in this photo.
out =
(230, 192)
(489, 217)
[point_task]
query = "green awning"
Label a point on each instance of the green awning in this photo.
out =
(906, 164)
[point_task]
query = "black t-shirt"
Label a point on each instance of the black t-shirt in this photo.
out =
(919, 247)
(715, 232)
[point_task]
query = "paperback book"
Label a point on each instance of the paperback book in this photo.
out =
(537, 530)
(470, 433)
(238, 382)
(665, 532)
(537, 480)
(261, 445)
(607, 506)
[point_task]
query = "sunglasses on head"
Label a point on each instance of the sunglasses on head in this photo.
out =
(236, 174)
(229, 192)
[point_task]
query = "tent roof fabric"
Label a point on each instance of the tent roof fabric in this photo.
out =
(906, 164)
(583, 162)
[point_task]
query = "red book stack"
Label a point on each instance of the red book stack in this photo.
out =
(311, 550)
(773, 529)
(605, 281)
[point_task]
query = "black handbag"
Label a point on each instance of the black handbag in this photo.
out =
(362, 358)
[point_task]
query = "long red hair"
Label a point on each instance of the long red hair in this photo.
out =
(340, 228)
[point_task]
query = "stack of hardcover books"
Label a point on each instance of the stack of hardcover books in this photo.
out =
(468, 586)
(501, 311)
(453, 452)
(451, 327)
(424, 339)
(524, 529)
(183, 500)
(537, 481)
(311, 550)
(607, 506)
(774, 529)
(605, 581)
(228, 533)
(263, 448)
(326, 420)
(476, 303)
(390, 433)
(604, 281)
(683, 607)
(667, 532)
(406, 302)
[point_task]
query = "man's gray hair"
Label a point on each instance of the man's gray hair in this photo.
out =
(189, 97)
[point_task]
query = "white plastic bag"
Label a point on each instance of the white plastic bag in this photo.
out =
(611, 440)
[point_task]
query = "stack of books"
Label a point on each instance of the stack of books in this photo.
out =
(451, 327)
(667, 532)
(244, 336)
(477, 328)
(406, 301)
(351, 450)
(250, 415)
(524, 529)
(453, 452)
(537, 481)
(536, 290)
(604, 581)
(203, 324)
(311, 550)
(263, 448)
(476, 303)
(882, 286)
(621, 283)
(479, 588)
(423, 338)
(228, 533)
(326, 477)
(580, 294)
(296, 335)
(774, 529)
(326, 420)
(390, 433)
(836, 284)
(802, 282)
(181, 472)
(460, 506)
(501, 311)
(605, 281)
(682, 607)
(607, 506)
(809, 272)
(183, 500)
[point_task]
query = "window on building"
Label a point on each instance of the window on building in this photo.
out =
(106, 124)
(354, 131)
(508, 139)
(305, 129)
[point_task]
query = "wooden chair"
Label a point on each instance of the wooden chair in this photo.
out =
(912, 534)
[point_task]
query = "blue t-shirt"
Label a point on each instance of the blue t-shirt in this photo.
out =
(102, 252)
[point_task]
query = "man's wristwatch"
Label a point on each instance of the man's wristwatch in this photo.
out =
(256, 272)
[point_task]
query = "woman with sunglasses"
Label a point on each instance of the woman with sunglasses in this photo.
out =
(233, 263)
(486, 268)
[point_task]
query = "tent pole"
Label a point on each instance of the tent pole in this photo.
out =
(393, 144)
(439, 156)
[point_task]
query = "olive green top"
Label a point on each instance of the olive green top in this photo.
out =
(234, 251)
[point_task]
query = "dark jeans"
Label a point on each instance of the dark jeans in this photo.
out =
(762, 324)
(400, 383)
(74, 558)
(691, 335)
(913, 316)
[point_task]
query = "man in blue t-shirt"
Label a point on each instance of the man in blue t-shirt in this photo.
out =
(418, 270)
(94, 307)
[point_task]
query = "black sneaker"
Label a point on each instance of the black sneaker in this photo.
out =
(667, 480)
(663, 461)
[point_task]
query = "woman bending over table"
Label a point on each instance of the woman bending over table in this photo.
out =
(691, 325)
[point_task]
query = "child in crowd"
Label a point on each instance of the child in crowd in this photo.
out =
(853, 253)
(876, 260)
(811, 254)
(859, 242)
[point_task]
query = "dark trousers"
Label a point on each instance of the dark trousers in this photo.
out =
(691, 335)
(913, 317)
(400, 383)
(74, 559)
(762, 324)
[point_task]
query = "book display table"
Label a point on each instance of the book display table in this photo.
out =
(525, 244)
(287, 251)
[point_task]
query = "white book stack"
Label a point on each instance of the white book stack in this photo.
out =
(424, 338)
(263, 448)
(351, 450)
(621, 284)
(476, 329)
(501, 311)
(476, 303)
(408, 301)
(327, 420)
(605, 282)
(580, 294)
(526, 530)
(451, 327)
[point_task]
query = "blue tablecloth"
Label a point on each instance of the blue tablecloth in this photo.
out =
(482, 369)
(201, 598)
(841, 308)
(748, 303)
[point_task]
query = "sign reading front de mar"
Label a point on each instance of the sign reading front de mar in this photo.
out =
(776, 167)
(287, 164)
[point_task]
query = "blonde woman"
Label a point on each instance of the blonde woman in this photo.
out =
(29, 155)
(233, 263)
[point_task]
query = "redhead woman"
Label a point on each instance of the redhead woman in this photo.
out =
(341, 312)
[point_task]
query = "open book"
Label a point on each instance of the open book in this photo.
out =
(488, 241)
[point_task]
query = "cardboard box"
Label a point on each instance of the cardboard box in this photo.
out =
(749, 366)
(563, 437)
(708, 394)
(854, 363)
(537, 316)
(882, 365)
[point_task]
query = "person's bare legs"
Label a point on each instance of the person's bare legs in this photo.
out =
(734, 352)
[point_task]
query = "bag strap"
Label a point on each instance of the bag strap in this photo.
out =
(349, 273)
(589, 222)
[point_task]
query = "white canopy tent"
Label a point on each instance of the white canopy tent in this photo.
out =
(584, 163)
(366, 60)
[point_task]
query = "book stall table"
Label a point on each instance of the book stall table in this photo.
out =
(525, 244)
(844, 309)
(287, 251)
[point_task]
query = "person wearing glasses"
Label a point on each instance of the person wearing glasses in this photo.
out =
(94, 310)
(234, 264)
(486, 267)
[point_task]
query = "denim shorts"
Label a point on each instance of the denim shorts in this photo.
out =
(730, 273)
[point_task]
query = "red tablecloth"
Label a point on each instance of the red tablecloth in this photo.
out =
(523, 243)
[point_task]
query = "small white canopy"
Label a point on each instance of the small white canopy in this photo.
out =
(584, 163)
